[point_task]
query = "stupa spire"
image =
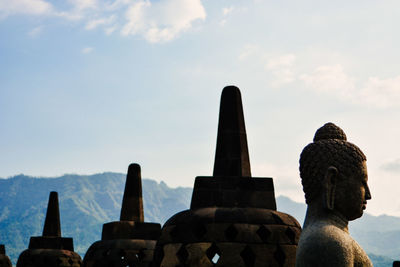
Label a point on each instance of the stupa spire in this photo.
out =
(231, 155)
(50, 249)
(232, 220)
(132, 202)
(52, 226)
(129, 241)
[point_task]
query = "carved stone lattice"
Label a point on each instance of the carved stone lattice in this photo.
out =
(50, 250)
(232, 220)
(130, 241)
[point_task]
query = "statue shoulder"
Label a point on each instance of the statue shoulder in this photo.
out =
(325, 245)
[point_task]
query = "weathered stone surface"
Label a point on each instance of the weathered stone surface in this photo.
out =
(4, 259)
(334, 178)
(232, 219)
(50, 250)
(130, 241)
(131, 230)
(49, 258)
(226, 191)
(120, 252)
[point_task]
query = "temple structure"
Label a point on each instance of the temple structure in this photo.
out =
(4, 259)
(50, 249)
(130, 241)
(232, 220)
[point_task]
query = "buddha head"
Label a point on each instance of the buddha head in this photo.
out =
(333, 172)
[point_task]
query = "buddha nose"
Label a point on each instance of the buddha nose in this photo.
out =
(367, 193)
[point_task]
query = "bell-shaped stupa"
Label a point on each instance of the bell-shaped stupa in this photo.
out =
(4, 259)
(232, 220)
(50, 249)
(129, 241)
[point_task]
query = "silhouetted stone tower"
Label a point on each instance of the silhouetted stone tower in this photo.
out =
(130, 241)
(4, 259)
(232, 220)
(50, 250)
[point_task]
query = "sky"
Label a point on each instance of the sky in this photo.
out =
(89, 86)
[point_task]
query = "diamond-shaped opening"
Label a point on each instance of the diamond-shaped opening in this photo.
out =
(70, 261)
(231, 232)
(213, 253)
(122, 253)
(248, 256)
(264, 233)
(215, 258)
(182, 254)
(277, 219)
(291, 234)
(140, 255)
(199, 230)
(280, 256)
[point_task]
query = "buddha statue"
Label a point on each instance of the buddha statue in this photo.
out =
(334, 178)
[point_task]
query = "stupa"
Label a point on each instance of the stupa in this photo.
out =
(129, 241)
(232, 220)
(4, 259)
(50, 249)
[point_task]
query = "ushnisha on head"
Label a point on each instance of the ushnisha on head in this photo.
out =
(333, 171)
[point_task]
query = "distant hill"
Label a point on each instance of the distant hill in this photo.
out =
(87, 202)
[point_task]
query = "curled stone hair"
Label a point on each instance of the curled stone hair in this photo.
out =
(329, 148)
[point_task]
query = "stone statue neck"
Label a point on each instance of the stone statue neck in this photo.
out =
(316, 212)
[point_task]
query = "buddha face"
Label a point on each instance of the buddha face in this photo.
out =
(352, 194)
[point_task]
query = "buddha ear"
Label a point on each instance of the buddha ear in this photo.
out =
(329, 185)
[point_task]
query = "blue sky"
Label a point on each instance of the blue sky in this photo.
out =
(89, 86)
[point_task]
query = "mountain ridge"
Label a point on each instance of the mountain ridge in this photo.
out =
(89, 201)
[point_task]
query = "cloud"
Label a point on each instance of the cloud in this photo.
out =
(156, 21)
(162, 21)
(35, 31)
(227, 10)
(392, 166)
(281, 69)
(330, 79)
(110, 30)
(248, 51)
(381, 92)
(93, 24)
(34, 8)
(26, 7)
(87, 50)
(84, 4)
(375, 92)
